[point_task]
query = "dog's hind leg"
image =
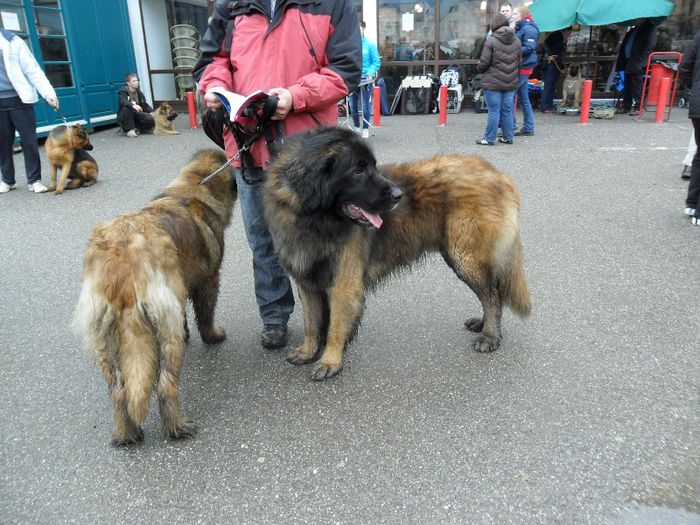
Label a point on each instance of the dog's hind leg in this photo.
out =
(126, 432)
(204, 300)
(315, 326)
(468, 264)
(172, 350)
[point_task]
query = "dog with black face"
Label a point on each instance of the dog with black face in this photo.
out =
(163, 117)
(572, 89)
(340, 225)
(67, 150)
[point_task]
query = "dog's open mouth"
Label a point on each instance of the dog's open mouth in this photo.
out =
(362, 216)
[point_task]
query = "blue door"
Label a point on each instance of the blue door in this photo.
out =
(85, 49)
(103, 51)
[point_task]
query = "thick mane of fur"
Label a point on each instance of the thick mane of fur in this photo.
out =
(338, 231)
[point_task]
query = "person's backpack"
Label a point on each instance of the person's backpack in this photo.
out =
(449, 77)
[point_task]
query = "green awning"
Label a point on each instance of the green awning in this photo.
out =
(550, 15)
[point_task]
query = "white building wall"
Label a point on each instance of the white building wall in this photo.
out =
(159, 52)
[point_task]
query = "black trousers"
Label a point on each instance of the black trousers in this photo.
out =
(15, 115)
(129, 119)
(633, 90)
(691, 200)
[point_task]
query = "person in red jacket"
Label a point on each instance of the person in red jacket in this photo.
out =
(308, 54)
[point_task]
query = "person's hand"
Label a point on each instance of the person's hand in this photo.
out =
(53, 102)
(138, 108)
(284, 105)
(212, 100)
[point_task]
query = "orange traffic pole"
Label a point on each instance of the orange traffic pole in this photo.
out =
(662, 99)
(586, 102)
(376, 106)
(443, 105)
(192, 109)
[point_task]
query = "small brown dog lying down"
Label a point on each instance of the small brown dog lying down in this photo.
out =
(572, 88)
(163, 117)
(138, 271)
(67, 148)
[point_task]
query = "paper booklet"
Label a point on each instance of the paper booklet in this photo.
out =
(236, 104)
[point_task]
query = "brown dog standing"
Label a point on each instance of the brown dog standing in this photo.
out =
(138, 272)
(66, 148)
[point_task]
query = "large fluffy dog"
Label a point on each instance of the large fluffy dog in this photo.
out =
(340, 225)
(572, 88)
(67, 148)
(138, 271)
(163, 118)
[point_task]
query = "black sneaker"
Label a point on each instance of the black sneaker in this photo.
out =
(273, 336)
(521, 133)
(484, 142)
(504, 141)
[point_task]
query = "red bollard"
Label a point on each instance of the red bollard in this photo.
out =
(376, 106)
(586, 103)
(192, 109)
(662, 100)
(443, 105)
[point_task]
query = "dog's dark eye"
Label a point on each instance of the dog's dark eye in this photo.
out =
(359, 170)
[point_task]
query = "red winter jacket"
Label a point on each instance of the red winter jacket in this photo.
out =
(310, 47)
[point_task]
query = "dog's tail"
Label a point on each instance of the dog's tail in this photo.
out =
(509, 260)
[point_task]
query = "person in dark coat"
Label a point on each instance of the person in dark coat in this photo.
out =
(529, 34)
(134, 112)
(690, 74)
(498, 65)
(554, 52)
(632, 59)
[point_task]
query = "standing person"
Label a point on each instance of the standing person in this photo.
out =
(690, 72)
(498, 65)
(307, 54)
(632, 59)
(370, 68)
(528, 33)
(554, 50)
(506, 9)
(20, 78)
(134, 114)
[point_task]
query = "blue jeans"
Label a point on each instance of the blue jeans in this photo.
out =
(551, 75)
(273, 290)
(366, 105)
(524, 102)
(500, 106)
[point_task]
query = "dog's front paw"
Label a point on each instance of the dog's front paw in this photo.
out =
(59, 190)
(475, 324)
(185, 428)
(486, 344)
(214, 336)
(51, 188)
(301, 356)
(323, 371)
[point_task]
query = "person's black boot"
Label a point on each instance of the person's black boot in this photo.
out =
(273, 336)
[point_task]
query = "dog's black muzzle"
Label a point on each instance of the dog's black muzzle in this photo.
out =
(172, 116)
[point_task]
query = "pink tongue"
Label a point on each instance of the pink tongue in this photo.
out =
(374, 218)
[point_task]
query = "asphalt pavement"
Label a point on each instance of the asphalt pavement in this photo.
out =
(589, 412)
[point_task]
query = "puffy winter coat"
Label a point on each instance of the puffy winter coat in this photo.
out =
(690, 74)
(528, 34)
(499, 61)
(22, 69)
(310, 47)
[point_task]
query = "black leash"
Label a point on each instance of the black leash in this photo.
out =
(245, 138)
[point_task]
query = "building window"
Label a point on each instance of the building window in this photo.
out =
(53, 46)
